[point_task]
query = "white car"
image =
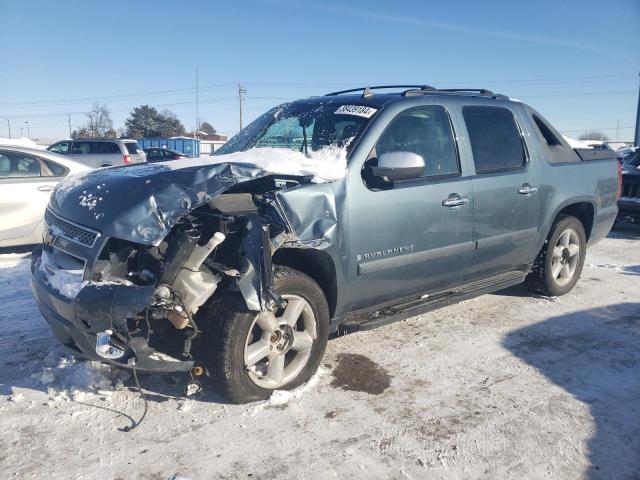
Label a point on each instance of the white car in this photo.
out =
(27, 178)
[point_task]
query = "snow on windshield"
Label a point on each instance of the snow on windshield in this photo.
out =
(325, 165)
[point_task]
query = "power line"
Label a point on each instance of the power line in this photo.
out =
(584, 94)
(597, 128)
(118, 96)
(189, 90)
(206, 100)
(221, 99)
(527, 80)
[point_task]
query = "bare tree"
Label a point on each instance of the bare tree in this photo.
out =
(99, 123)
(594, 135)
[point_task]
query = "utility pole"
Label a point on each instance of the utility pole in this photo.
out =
(28, 134)
(241, 91)
(617, 130)
(195, 132)
(9, 127)
(69, 120)
(637, 135)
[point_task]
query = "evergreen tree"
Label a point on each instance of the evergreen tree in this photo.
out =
(145, 121)
(207, 127)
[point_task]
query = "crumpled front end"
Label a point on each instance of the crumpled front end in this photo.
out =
(138, 299)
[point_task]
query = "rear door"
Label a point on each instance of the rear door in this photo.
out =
(505, 189)
(406, 238)
(26, 184)
(107, 153)
(81, 151)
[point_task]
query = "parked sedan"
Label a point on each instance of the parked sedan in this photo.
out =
(27, 178)
(155, 154)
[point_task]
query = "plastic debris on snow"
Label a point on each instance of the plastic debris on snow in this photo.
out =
(325, 165)
(16, 398)
(282, 397)
(67, 378)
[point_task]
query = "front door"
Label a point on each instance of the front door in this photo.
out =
(505, 188)
(24, 194)
(412, 235)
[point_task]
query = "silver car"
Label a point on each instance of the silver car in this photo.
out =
(101, 152)
(27, 178)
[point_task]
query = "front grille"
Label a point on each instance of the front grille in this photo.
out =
(69, 230)
(631, 188)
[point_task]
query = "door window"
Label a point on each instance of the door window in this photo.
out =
(133, 148)
(102, 148)
(496, 141)
(18, 165)
(427, 132)
(56, 169)
(81, 148)
(62, 148)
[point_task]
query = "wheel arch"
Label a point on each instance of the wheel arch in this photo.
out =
(316, 264)
(583, 211)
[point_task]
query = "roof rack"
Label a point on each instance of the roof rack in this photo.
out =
(368, 91)
(472, 91)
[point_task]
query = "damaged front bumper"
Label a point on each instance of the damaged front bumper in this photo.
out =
(141, 271)
(98, 309)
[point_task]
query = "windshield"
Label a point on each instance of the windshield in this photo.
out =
(302, 127)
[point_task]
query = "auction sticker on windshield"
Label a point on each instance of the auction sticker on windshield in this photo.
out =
(358, 110)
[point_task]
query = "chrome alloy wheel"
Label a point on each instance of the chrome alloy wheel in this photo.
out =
(566, 255)
(279, 343)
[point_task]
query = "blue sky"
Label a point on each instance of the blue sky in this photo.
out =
(577, 62)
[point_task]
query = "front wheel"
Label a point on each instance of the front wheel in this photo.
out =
(251, 354)
(559, 264)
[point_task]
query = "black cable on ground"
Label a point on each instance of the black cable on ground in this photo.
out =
(134, 425)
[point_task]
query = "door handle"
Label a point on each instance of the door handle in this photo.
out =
(455, 201)
(46, 188)
(527, 190)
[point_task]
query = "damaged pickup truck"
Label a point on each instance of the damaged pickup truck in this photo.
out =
(343, 211)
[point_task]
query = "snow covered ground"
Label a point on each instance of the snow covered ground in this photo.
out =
(503, 386)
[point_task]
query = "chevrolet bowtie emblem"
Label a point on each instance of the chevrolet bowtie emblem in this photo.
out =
(48, 237)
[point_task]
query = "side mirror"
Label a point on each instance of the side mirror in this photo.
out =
(400, 165)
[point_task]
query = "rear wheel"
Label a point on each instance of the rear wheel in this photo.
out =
(559, 264)
(251, 354)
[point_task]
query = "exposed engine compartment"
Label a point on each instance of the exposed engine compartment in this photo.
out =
(224, 245)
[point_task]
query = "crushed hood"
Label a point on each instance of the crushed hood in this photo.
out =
(142, 202)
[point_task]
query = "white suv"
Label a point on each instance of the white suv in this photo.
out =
(101, 152)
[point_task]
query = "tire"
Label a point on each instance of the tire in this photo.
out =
(543, 277)
(230, 328)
